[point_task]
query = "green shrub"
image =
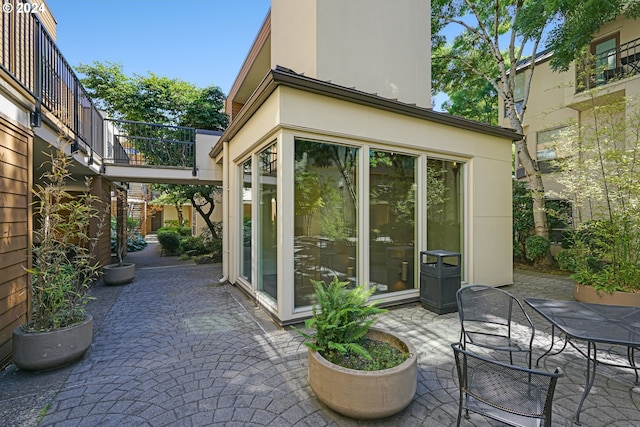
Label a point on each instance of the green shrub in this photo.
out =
(536, 247)
(567, 259)
(194, 245)
(341, 318)
(170, 240)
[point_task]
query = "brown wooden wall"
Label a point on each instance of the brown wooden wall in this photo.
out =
(16, 144)
(101, 188)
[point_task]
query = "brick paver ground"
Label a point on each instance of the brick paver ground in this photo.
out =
(176, 348)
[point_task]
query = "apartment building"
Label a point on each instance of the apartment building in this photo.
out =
(557, 98)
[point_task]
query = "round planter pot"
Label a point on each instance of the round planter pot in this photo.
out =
(116, 274)
(586, 293)
(39, 351)
(366, 395)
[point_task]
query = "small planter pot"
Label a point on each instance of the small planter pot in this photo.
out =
(116, 274)
(366, 395)
(41, 351)
(588, 294)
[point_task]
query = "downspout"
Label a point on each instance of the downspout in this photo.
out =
(225, 212)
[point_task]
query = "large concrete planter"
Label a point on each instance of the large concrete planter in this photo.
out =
(116, 274)
(39, 351)
(586, 293)
(366, 394)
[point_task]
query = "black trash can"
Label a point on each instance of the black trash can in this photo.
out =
(439, 280)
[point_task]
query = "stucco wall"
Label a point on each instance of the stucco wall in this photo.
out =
(336, 40)
(289, 113)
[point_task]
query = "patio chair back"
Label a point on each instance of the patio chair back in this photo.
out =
(494, 319)
(511, 394)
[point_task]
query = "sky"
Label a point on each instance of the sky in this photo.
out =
(203, 42)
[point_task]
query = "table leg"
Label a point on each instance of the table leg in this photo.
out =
(553, 336)
(632, 360)
(590, 376)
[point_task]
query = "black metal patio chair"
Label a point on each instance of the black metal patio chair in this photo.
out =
(489, 318)
(511, 394)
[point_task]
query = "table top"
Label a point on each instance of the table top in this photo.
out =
(613, 324)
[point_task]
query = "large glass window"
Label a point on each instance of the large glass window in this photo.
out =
(392, 220)
(267, 222)
(445, 228)
(246, 197)
(325, 227)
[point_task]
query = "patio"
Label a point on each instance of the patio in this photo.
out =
(176, 348)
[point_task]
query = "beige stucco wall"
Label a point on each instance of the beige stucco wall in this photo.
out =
(336, 40)
(553, 100)
(290, 113)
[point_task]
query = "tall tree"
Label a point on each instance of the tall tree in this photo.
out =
(498, 32)
(160, 100)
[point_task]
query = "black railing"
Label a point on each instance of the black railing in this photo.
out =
(609, 66)
(30, 55)
(150, 144)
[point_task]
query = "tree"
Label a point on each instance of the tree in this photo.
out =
(153, 98)
(599, 162)
(200, 196)
(160, 100)
(489, 26)
(579, 22)
(470, 94)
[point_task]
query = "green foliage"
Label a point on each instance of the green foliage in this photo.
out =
(522, 216)
(170, 240)
(341, 318)
(536, 247)
(135, 240)
(567, 259)
(152, 98)
(599, 164)
(579, 21)
(63, 267)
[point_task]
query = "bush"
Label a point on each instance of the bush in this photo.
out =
(536, 247)
(170, 240)
(194, 245)
(567, 259)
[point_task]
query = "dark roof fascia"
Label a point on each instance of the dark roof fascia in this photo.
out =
(282, 76)
(208, 132)
(541, 57)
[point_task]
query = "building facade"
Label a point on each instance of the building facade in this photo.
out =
(335, 165)
(559, 98)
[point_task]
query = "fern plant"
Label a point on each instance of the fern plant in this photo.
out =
(341, 318)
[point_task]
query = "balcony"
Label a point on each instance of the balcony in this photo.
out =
(610, 66)
(30, 57)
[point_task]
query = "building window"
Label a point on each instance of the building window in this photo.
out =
(326, 207)
(560, 216)
(605, 54)
(518, 94)
(267, 221)
(546, 142)
(445, 225)
(392, 221)
(246, 209)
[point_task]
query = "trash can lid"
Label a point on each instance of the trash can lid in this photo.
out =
(442, 253)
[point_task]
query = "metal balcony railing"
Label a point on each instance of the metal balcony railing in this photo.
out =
(609, 66)
(30, 56)
(139, 143)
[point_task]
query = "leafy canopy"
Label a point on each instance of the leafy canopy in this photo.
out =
(152, 98)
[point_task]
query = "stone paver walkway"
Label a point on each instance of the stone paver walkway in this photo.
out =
(177, 348)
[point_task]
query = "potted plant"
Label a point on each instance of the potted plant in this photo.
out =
(121, 272)
(354, 369)
(59, 330)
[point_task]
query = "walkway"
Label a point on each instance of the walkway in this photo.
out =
(177, 348)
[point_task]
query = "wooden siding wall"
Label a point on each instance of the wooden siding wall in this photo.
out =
(101, 188)
(15, 223)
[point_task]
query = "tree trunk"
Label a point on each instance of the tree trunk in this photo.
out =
(178, 207)
(541, 227)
